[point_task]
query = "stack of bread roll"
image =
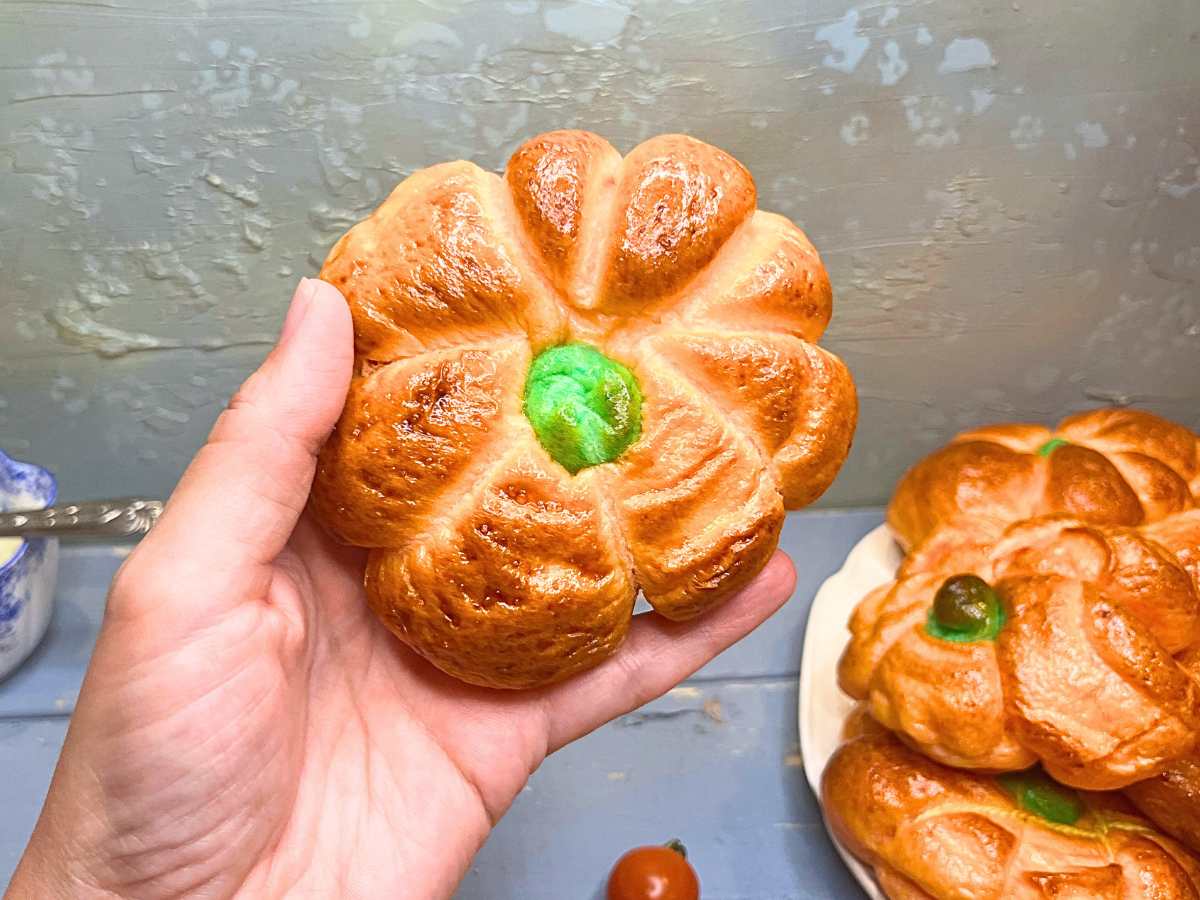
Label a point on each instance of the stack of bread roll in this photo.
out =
(1029, 683)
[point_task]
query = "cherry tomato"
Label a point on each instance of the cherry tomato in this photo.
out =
(654, 873)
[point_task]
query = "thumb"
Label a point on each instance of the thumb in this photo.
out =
(238, 502)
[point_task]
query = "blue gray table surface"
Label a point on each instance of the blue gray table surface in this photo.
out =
(715, 762)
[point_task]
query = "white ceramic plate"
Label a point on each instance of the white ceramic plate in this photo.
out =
(823, 707)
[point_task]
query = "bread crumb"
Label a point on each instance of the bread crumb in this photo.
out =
(712, 709)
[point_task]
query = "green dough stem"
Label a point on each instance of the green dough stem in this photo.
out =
(585, 408)
(1036, 793)
(1051, 445)
(964, 610)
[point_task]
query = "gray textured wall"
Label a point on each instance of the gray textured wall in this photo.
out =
(1007, 195)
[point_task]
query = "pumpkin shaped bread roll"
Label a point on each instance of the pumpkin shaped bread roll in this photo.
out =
(1049, 641)
(592, 376)
(935, 833)
(1104, 467)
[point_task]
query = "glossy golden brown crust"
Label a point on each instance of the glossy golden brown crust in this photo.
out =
(1082, 676)
(560, 183)
(1089, 689)
(678, 202)
(662, 261)
(934, 832)
(696, 502)
(793, 399)
(429, 422)
(523, 580)
(1171, 800)
(1180, 535)
(434, 267)
(1118, 467)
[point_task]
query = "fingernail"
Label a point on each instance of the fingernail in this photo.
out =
(299, 308)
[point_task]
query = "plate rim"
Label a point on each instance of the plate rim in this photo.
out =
(873, 548)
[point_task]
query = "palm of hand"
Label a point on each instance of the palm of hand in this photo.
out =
(305, 741)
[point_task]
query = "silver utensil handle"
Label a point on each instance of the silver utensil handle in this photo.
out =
(96, 519)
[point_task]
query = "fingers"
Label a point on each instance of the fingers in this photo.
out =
(240, 498)
(658, 654)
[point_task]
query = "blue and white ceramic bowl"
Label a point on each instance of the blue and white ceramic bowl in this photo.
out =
(28, 569)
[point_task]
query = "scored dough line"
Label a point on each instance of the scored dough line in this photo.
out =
(598, 227)
(476, 474)
(501, 339)
(606, 505)
(726, 418)
(478, 478)
(528, 260)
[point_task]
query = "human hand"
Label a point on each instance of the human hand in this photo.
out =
(246, 727)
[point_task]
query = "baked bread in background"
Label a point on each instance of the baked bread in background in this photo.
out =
(1043, 625)
(487, 555)
(935, 833)
(1081, 675)
(1105, 467)
(1171, 799)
